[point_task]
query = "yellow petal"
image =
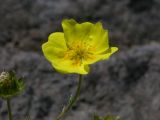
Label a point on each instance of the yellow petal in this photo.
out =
(109, 53)
(68, 28)
(66, 66)
(93, 35)
(105, 55)
(82, 31)
(75, 32)
(54, 51)
(68, 23)
(55, 47)
(99, 38)
(93, 60)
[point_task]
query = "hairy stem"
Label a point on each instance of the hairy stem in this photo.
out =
(9, 109)
(72, 100)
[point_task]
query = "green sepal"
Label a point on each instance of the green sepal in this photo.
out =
(10, 85)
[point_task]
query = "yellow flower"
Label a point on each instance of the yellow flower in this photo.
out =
(80, 45)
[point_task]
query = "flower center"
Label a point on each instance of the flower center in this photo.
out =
(79, 52)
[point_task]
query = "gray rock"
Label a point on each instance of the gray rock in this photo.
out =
(126, 85)
(25, 24)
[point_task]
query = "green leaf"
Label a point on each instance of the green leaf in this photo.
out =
(117, 118)
(108, 117)
(97, 117)
(27, 116)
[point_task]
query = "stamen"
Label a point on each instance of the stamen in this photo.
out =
(79, 52)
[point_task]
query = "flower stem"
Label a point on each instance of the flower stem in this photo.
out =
(9, 109)
(72, 100)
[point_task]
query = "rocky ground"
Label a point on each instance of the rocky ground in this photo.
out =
(126, 85)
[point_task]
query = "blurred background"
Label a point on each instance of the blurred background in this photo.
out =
(127, 85)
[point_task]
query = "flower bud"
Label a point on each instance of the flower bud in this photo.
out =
(10, 85)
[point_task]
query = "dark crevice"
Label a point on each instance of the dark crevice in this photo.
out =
(138, 6)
